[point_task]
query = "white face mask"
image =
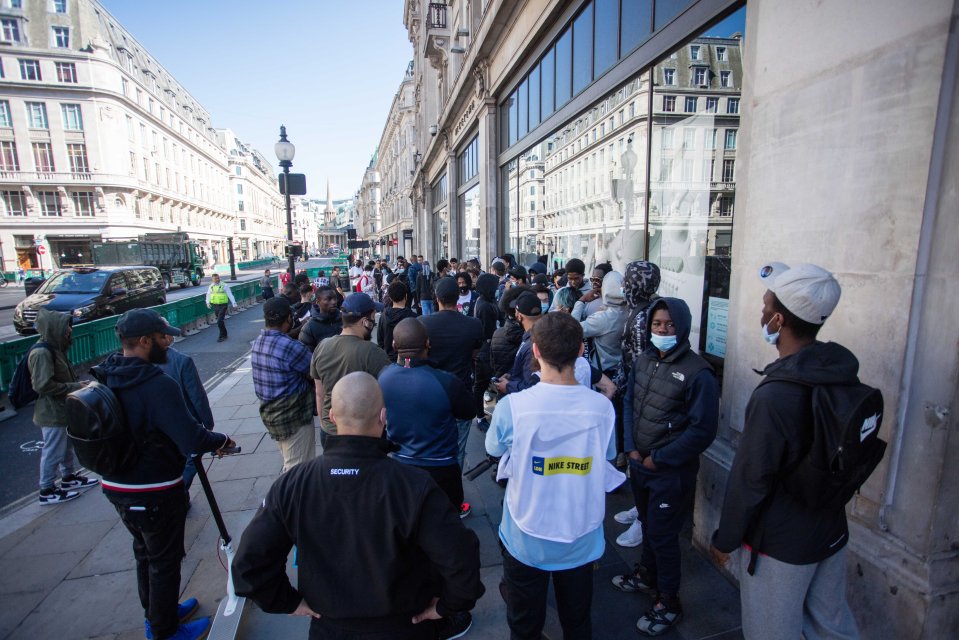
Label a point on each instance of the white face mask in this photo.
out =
(771, 338)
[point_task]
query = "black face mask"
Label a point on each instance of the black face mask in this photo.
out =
(464, 290)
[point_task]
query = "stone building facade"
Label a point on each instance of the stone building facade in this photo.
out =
(712, 136)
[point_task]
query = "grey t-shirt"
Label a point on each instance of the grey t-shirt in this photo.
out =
(338, 356)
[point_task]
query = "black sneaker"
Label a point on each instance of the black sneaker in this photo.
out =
(661, 618)
(56, 496)
(454, 626)
(77, 481)
(637, 581)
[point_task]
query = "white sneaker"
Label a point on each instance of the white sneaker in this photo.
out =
(632, 537)
(626, 517)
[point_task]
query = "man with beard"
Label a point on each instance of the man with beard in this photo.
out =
(149, 496)
(345, 353)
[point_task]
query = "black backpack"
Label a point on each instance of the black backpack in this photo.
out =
(845, 446)
(97, 427)
(21, 392)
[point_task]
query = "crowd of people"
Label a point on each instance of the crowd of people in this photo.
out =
(573, 377)
(578, 381)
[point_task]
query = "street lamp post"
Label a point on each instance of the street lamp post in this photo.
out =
(285, 151)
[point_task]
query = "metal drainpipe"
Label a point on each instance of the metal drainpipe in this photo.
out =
(927, 231)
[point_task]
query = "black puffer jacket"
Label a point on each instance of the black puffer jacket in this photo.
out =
(504, 345)
(320, 326)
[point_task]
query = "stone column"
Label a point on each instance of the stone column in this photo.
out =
(489, 173)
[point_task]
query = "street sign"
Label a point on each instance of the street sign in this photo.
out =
(297, 184)
(358, 244)
(41, 249)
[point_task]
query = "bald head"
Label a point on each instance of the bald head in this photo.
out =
(410, 336)
(356, 406)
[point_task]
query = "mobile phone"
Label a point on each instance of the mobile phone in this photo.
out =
(231, 450)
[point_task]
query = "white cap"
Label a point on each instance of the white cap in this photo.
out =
(809, 292)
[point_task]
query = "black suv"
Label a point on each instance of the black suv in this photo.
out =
(89, 293)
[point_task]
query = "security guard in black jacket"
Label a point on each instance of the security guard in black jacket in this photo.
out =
(381, 551)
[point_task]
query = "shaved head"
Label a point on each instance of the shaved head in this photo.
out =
(410, 335)
(356, 406)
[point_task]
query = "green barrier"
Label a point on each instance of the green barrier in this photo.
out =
(96, 339)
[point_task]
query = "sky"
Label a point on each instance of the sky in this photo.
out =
(326, 69)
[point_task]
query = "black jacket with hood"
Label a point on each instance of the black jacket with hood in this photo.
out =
(485, 308)
(504, 345)
(757, 511)
(391, 317)
(671, 407)
(353, 502)
(154, 408)
(320, 326)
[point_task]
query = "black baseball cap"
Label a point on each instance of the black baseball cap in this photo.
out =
(528, 304)
(446, 289)
(276, 310)
(143, 322)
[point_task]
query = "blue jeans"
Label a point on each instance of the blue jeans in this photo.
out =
(57, 454)
(427, 307)
(463, 434)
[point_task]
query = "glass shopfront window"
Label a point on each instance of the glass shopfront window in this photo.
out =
(633, 178)
(469, 199)
(441, 216)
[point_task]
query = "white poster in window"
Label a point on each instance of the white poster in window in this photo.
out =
(717, 320)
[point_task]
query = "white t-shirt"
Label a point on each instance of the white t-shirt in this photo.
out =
(354, 273)
(463, 303)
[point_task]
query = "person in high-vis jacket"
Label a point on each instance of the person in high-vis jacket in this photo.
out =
(558, 471)
(220, 298)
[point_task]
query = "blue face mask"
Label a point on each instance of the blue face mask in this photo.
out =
(663, 343)
(771, 338)
(544, 306)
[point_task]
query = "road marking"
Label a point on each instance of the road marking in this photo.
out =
(31, 446)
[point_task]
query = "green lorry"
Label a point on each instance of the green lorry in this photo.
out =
(179, 259)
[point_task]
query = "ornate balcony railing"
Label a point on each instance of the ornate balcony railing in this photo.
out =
(436, 19)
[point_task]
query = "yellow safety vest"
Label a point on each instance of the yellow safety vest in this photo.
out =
(218, 294)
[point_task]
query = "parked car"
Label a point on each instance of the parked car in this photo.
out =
(89, 293)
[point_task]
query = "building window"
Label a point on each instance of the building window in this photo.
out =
(13, 204)
(689, 138)
(37, 115)
(10, 30)
(695, 52)
(669, 77)
(238, 170)
(726, 79)
(711, 105)
(72, 118)
(82, 203)
(732, 105)
(60, 38)
(239, 188)
(77, 153)
(700, 76)
(242, 222)
(60, 6)
(133, 164)
(66, 72)
(240, 206)
(729, 170)
(669, 103)
(721, 54)
(8, 156)
(691, 104)
(1, 69)
(49, 203)
(726, 206)
(710, 137)
(43, 157)
(5, 120)
(30, 69)
(731, 139)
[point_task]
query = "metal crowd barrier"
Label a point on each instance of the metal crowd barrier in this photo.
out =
(96, 339)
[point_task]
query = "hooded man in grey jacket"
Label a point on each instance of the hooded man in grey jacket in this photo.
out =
(53, 378)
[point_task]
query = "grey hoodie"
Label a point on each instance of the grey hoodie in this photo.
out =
(605, 326)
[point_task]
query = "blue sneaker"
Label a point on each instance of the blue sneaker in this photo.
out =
(184, 611)
(196, 630)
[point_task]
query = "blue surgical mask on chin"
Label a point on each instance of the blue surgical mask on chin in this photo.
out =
(771, 338)
(663, 343)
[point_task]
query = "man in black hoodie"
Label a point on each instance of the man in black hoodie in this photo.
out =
(671, 416)
(487, 312)
(354, 502)
(149, 497)
(797, 584)
(325, 319)
(392, 316)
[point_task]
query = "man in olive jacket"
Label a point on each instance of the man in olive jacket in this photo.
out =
(53, 378)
